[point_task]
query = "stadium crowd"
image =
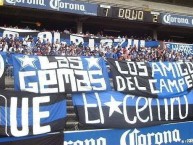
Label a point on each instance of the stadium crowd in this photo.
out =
(30, 46)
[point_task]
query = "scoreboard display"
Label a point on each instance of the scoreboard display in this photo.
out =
(152, 17)
(105, 11)
(129, 14)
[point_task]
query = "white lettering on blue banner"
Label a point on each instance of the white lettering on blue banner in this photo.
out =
(98, 141)
(13, 117)
(156, 138)
(64, 74)
(35, 2)
(77, 39)
(58, 4)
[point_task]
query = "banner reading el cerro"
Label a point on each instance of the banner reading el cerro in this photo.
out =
(170, 134)
(2, 72)
(69, 6)
(116, 110)
(55, 74)
(77, 39)
(24, 113)
(152, 79)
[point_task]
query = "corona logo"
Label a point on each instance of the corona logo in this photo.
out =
(156, 138)
(169, 19)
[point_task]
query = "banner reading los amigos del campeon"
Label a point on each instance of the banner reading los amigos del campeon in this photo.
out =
(56, 74)
(116, 110)
(152, 79)
(170, 134)
(24, 113)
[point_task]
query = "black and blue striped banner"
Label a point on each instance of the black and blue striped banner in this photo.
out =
(116, 110)
(24, 113)
(44, 139)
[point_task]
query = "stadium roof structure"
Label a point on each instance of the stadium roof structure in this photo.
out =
(56, 20)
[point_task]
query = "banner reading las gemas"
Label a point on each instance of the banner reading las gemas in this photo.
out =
(152, 79)
(56, 74)
(24, 113)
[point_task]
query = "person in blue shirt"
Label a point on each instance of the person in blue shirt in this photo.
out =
(108, 54)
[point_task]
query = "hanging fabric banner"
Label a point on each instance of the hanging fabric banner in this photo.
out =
(170, 134)
(45, 139)
(24, 113)
(69, 39)
(152, 79)
(116, 110)
(56, 74)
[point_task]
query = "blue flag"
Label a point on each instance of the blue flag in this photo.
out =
(55, 74)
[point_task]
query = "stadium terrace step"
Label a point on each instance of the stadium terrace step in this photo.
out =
(9, 81)
(11, 88)
(72, 125)
(70, 107)
(69, 102)
(72, 116)
(68, 96)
